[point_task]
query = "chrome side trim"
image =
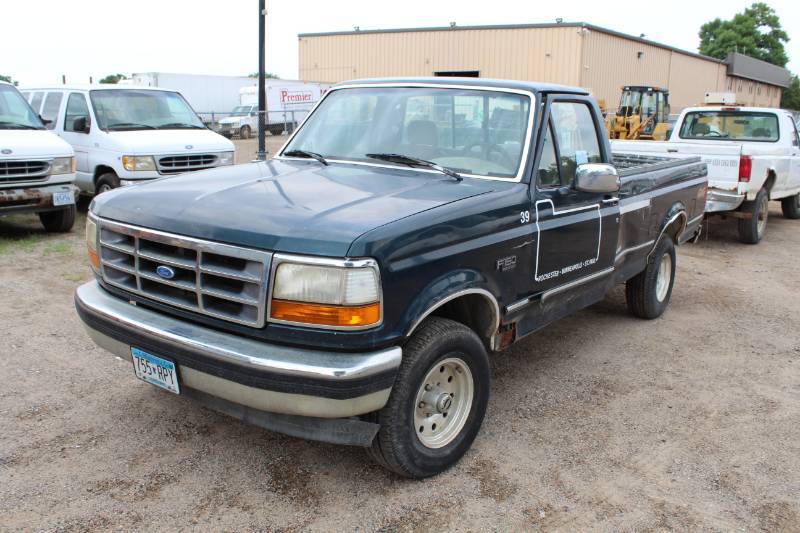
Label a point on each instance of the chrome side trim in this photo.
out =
(672, 219)
(458, 294)
(633, 206)
(278, 259)
(526, 144)
(572, 284)
(626, 251)
(516, 306)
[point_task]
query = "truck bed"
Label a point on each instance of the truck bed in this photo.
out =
(628, 164)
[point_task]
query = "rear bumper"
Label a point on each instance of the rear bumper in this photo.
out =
(721, 200)
(32, 199)
(252, 376)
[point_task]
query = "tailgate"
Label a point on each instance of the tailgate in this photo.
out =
(722, 159)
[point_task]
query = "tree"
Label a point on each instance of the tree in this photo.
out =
(756, 32)
(791, 95)
(114, 78)
(267, 75)
(7, 79)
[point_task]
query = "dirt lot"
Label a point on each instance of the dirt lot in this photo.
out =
(601, 421)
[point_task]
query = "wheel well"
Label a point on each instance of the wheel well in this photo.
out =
(100, 170)
(676, 226)
(770, 181)
(478, 311)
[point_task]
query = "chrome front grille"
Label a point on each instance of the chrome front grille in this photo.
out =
(23, 170)
(173, 164)
(219, 280)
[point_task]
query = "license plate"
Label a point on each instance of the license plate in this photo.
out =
(155, 370)
(63, 198)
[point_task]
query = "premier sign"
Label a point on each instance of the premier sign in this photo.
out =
(296, 97)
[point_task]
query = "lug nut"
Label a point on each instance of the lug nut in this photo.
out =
(421, 405)
(428, 387)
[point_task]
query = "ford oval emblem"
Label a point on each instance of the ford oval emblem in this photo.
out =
(165, 272)
(6, 151)
(189, 146)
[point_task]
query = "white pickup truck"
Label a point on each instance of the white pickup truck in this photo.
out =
(753, 156)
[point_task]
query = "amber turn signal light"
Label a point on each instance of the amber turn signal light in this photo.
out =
(326, 315)
(93, 259)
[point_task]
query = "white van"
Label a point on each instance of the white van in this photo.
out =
(37, 169)
(123, 134)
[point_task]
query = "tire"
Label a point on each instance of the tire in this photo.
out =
(275, 130)
(648, 293)
(60, 221)
(244, 133)
(752, 230)
(106, 182)
(791, 207)
(439, 349)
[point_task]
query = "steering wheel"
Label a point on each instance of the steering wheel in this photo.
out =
(713, 133)
(487, 149)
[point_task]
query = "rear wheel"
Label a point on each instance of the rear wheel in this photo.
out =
(752, 229)
(648, 293)
(60, 221)
(244, 133)
(791, 207)
(106, 182)
(437, 403)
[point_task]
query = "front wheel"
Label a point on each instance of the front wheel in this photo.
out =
(106, 182)
(437, 403)
(60, 221)
(752, 229)
(648, 293)
(791, 207)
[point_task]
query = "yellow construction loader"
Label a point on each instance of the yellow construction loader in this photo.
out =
(642, 114)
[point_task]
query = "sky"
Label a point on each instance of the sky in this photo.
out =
(43, 39)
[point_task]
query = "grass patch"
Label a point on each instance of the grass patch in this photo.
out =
(60, 248)
(76, 278)
(26, 244)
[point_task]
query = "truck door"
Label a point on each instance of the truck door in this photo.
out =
(794, 165)
(77, 125)
(575, 232)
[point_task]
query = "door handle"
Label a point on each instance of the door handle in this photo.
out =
(672, 150)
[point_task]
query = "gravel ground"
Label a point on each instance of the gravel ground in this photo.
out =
(599, 422)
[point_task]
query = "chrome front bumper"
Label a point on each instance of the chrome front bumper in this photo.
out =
(265, 377)
(719, 200)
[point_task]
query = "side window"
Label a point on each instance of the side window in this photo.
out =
(547, 173)
(576, 136)
(76, 108)
(26, 95)
(36, 101)
(52, 103)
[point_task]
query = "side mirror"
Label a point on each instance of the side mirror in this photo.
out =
(45, 121)
(81, 125)
(596, 178)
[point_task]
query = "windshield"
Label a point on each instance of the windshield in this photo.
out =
(15, 113)
(730, 126)
(131, 109)
(240, 111)
(629, 102)
(468, 131)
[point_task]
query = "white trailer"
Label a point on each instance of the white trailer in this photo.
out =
(205, 93)
(288, 103)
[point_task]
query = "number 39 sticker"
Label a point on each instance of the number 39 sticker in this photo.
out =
(524, 217)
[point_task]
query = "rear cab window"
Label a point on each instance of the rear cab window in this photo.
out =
(730, 125)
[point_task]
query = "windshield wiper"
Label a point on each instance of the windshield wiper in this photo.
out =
(180, 125)
(17, 126)
(413, 161)
(130, 126)
(306, 153)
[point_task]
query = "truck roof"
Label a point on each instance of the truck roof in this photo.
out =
(92, 87)
(530, 86)
(735, 108)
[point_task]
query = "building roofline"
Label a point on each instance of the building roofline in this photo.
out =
(585, 25)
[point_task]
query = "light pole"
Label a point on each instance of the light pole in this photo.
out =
(261, 155)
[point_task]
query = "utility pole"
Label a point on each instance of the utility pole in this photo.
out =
(261, 155)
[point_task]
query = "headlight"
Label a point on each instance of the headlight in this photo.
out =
(134, 163)
(324, 293)
(62, 165)
(91, 243)
(225, 158)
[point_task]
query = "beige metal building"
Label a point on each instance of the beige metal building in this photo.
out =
(580, 54)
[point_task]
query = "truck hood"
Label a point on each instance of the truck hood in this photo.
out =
(231, 120)
(159, 142)
(26, 144)
(287, 206)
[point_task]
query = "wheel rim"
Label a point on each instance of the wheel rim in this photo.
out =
(104, 188)
(443, 403)
(763, 211)
(664, 276)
